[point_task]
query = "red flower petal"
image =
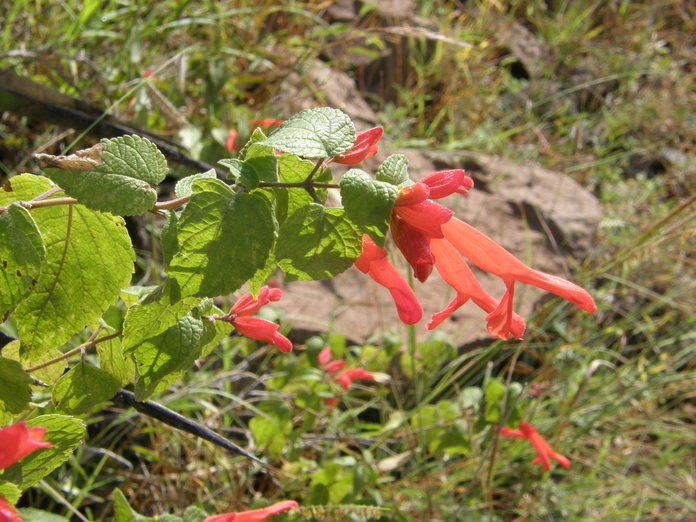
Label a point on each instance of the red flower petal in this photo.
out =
(427, 216)
(544, 452)
(247, 305)
(365, 147)
(412, 195)
(231, 143)
(265, 122)
(414, 246)
(255, 515)
(374, 263)
(324, 356)
(446, 182)
(491, 257)
(456, 273)
(334, 366)
(18, 441)
(7, 512)
(262, 330)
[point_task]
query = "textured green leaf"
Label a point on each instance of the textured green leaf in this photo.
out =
(314, 134)
(10, 492)
(113, 362)
(120, 179)
(262, 274)
(168, 238)
(194, 514)
(21, 254)
(317, 243)
(368, 203)
(292, 169)
(394, 170)
(39, 515)
(64, 433)
(83, 388)
(164, 358)
(224, 238)
(155, 313)
(15, 389)
(183, 186)
(88, 260)
(251, 171)
(48, 374)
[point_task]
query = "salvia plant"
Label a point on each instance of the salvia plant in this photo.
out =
(66, 258)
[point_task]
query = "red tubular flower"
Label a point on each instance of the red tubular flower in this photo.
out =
(544, 451)
(365, 147)
(18, 441)
(373, 262)
(231, 142)
(487, 255)
(265, 122)
(456, 273)
(353, 374)
(421, 228)
(7, 513)
(255, 515)
(254, 327)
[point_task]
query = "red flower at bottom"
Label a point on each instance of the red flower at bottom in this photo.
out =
(18, 441)
(240, 314)
(255, 515)
(544, 451)
(373, 262)
(7, 514)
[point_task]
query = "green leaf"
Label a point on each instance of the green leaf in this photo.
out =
(15, 389)
(88, 260)
(10, 492)
(168, 238)
(493, 394)
(317, 243)
(48, 374)
(224, 238)
(394, 170)
(194, 514)
(183, 187)
(262, 274)
(163, 359)
(83, 388)
(314, 134)
(292, 169)
(117, 175)
(64, 433)
(21, 253)
(113, 361)
(368, 203)
(155, 313)
(253, 170)
(122, 510)
(39, 515)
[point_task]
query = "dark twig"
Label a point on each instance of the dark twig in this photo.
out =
(161, 413)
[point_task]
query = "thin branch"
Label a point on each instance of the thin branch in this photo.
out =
(172, 203)
(87, 344)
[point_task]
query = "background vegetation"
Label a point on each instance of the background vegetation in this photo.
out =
(608, 100)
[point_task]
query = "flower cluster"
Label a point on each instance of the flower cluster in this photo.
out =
(240, 316)
(16, 442)
(542, 448)
(336, 368)
(429, 236)
(255, 515)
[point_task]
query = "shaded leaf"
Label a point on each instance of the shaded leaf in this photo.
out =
(83, 388)
(317, 243)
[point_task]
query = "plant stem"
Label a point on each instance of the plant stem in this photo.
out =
(87, 344)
